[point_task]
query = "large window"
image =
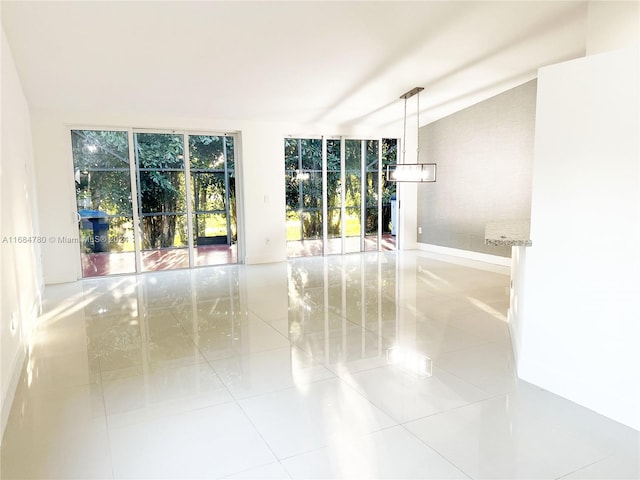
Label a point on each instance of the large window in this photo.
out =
(182, 200)
(336, 195)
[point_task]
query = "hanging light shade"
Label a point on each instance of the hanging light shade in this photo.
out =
(411, 172)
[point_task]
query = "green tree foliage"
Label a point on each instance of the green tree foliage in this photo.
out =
(101, 160)
(303, 179)
(103, 183)
(162, 189)
(212, 182)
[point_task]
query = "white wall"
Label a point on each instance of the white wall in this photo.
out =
(407, 194)
(21, 278)
(580, 324)
(263, 193)
(612, 25)
(517, 297)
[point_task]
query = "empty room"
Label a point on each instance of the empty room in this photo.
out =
(300, 239)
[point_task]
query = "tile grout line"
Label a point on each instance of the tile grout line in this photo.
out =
(435, 450)
(106, 417)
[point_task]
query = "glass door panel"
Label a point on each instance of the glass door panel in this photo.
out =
(293, 220)
(311, 183)
(303, 182)
(353, 195)
(162, 201)
(334, 197)
(213, 197)
(103, 199)
(229, 143)
(389, 212)
(372, 192)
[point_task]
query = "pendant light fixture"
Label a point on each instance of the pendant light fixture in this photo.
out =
(411, 172)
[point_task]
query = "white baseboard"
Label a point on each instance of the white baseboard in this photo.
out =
(7, 396)
(483, 261)
(257, 260)
(512, 335)
(20, 359)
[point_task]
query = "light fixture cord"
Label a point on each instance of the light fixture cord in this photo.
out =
(418, 128)
(404, 133)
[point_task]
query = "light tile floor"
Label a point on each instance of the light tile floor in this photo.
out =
(376, 365)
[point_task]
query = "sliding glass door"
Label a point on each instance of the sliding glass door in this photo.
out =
(102, 175)
(338, 187)
(213, 199)
(179, 190)
(162, 201)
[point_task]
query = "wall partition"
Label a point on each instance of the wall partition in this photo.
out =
(338, 199)
(149, 201)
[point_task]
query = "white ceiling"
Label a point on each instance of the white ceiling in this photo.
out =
(335, 63)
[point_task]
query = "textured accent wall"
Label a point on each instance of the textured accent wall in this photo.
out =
(485, 162)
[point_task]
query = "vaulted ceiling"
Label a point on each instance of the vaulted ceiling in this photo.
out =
(327, 62)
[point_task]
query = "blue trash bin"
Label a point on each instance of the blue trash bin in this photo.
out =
(98, 222)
